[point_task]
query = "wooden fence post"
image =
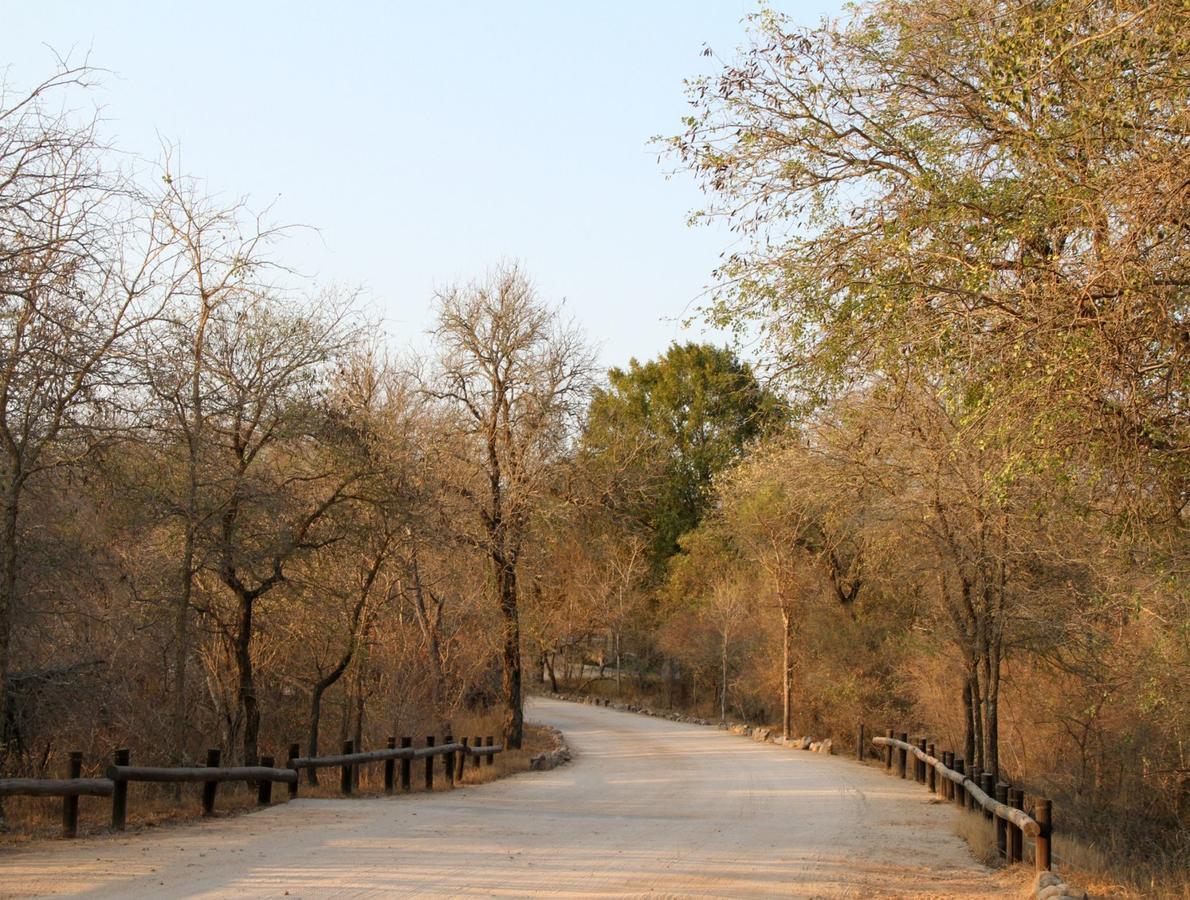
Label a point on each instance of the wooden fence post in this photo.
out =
(463, 757)
(390, 767)
(1016, 799)
(477, 742)
(920, 767)
(988, 785)
(120, 794)
(448, 761)
(491, 757)
(208, 787)
(859, 745)
(345, 773)
(1043, 813)
(429, 764)
(70, 805)
(931, 772)
(295, 751)
(947, 784)
(903, 758)
(1002, 823)
(960, 789)
(406, 767)
(264, 787)
(888, 755)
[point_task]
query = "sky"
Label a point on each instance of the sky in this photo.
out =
(427, 142)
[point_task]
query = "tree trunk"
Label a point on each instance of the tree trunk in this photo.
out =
(968, 721)
(9, 515)
(514, 716)
(619, 661)
(315, 721)
(549, 668)
(723, 688)
(360, 698)
(247, 682)
(786, 674)
(182, 653)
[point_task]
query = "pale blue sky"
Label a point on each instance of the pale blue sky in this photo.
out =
(427, 141)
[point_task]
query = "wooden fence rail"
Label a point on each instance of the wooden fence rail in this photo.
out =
(946, 778)
(264, 775)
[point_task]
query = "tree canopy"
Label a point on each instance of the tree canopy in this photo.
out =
(687, 416)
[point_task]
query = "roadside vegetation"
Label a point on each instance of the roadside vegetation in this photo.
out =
(944, 490)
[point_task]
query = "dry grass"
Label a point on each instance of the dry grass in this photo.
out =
(1081, 865)
(151, 806)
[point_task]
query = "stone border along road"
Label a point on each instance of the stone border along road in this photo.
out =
(647, 806)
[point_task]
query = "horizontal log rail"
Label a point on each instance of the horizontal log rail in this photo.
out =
(947, 778)
(56, 787)
(121, 773)
(199, 774)
(1018, 817)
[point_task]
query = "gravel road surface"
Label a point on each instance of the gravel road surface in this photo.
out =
(648, 807)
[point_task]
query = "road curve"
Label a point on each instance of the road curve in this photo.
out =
(647, 807)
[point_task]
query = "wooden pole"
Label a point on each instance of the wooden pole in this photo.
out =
(406, 767)
(463, 757)
(1043, 815)
(120, 794)
(70, 805)
(390, 767)
(491, 757)
(1002, 824)
(859, 745)
(987, 783)
(888, 755)
(947, 784)
(960, 790)
(264, 787)
(920, 767)
(429, 764)
(903, 758)
(345, 774)
(1016, 799)
(208, 787)
(448, 761)
(931, 772)
(295, 751)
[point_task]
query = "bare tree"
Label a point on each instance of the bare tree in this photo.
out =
(277, 461)
(72, 274)
(516, 379)
(211, 255)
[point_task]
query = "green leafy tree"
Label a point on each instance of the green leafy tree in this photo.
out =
(684, 417)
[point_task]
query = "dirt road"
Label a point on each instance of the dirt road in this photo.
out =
(647, 807)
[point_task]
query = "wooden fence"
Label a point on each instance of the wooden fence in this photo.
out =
(454, 755)
(946, 777)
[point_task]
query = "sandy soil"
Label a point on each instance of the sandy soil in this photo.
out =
(648, 807)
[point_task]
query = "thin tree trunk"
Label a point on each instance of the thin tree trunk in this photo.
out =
(786, 673)
(619, 685)
(723, 688)
(316, 720)
(182, 653)
(360, 698)
(9, 516)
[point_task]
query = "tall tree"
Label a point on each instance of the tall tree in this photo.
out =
(692, 412)
(68, 301)
(994, 195)
(516, 379)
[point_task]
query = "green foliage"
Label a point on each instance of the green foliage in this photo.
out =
(684, 418)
